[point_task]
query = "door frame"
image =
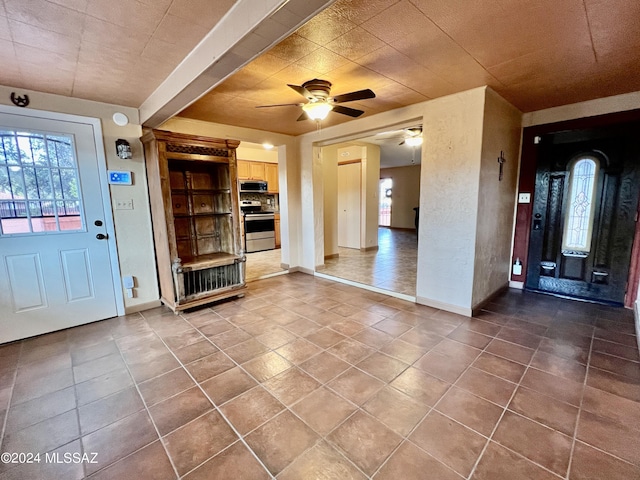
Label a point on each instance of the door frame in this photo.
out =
(96, 127)
(528, 169)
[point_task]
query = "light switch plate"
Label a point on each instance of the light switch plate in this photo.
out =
(524, 198)
(124, 204)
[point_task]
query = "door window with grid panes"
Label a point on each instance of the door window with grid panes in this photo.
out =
(39, 185)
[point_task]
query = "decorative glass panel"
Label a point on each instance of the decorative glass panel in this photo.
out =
(580, 208)
(39, 186)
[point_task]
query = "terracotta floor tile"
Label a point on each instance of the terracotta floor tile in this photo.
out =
(298, 351)
(351, 351)
(500, 367)
(228, 385)
(102, 386)
(396, 410)
(620, 440)
(165, 386)
(403, 351)
(626, 387)
(420, 338)
(480, 326)
(546, 410)
(320, 463)
(251, 409)
(498, 463)
(276, 338)
(487, 386)
(313, 410)
(47, 470)
(365, 441)
(35, 411)
(209, 366)
(183, 339)
(559, 366)
(325, 337)
(199, 440)
(565, 349)
(445, 367)
(474, 412)
(234, 462)
(409, 462)
(605, 404)
(616, 337)
(617, 365)
(303, 327)
(591, 464)
(147, 369)
(119, 439)
(230, 338)
(82, 355)
(347, 327)
(59, 380)
(280, 441)
(179, 409)
(615, 349)
(216, 328)
(291, 385)
(373, 338)
(148, 462)
(421, 386)
(392, 327)
(96, 367)
(382, 366)
(545, 446)
(266, 366)
(463, 335)
(510, 351)
(453, 444)
(324, 367)
(101, 413)
(245, 351)
(356, 386)
(44, 436)
(560, 388)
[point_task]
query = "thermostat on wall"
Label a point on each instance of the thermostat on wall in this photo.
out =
(118, 177)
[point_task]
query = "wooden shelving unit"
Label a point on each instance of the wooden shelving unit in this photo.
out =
(193, 190)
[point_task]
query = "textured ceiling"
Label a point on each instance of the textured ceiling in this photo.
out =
(535, 53)
(115, 51)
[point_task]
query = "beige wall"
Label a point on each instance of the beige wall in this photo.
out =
(496, 199)
(405, 196)
(370, 194)
(258, 154)
(330, 199)
(132, 227)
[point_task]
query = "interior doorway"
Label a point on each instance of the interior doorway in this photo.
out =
(349, 204)
(384, 213)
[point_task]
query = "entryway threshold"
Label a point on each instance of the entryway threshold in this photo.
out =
(401, 296)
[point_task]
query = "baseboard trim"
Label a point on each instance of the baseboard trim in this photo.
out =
(367, 249)
(518, 285)
(371, 288)
(308, 271)
(333, 255)
(478, 306)
(467, 312)
(285, 266)
(142, 306)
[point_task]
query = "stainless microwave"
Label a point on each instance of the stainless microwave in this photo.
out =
(253, 186)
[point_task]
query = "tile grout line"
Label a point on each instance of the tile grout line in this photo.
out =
(13, 385)
(575, 428)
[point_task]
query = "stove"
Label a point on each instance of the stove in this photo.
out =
(259, 227)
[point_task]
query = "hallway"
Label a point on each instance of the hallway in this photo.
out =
(306, 378)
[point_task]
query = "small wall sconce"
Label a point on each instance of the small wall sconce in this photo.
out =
(123, 149)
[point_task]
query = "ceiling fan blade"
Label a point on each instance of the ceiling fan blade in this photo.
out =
(353, 96)
(304, 116)
(302, 91)
(401, 143)
(352, 112)
(281, 105)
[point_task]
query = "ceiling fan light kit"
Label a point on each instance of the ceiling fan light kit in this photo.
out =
(413, 141)
(319, 104)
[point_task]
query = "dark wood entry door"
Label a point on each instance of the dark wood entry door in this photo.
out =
(584, 214)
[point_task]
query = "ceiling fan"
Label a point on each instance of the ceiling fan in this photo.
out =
(320, 103)
(413, 137)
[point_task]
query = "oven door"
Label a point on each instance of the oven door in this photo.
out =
(259, 232)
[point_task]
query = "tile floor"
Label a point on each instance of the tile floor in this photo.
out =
(264, 263)
(392, 267)
(308, 379)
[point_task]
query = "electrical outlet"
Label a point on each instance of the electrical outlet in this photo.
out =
(524, 198)
(124, 204)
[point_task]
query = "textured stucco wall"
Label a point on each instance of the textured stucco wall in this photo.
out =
(370, 201)
(496, 199)
(330, 198)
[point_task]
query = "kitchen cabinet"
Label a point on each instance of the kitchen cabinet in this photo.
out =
(271, 176)
(256, 170)
(277, 229)
(244, 171)
(193, 191)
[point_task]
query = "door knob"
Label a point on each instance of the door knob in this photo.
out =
(102, 236)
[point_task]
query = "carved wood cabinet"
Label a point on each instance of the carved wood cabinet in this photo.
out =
(193, 190)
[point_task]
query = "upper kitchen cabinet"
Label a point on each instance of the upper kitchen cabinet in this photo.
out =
(243, 169)
(193, 188)
(271, 176)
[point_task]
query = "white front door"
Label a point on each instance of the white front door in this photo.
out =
(55, 265)
(349, 205)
